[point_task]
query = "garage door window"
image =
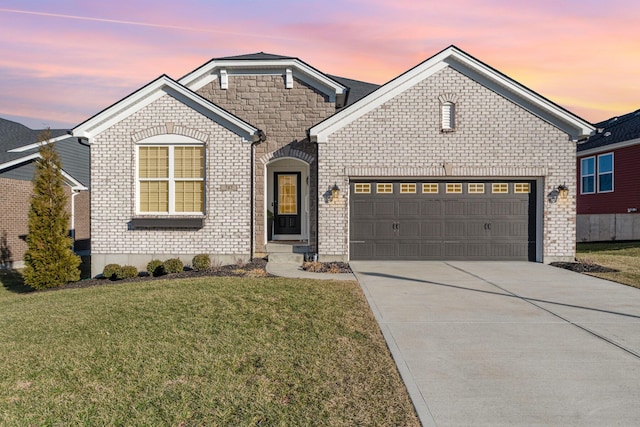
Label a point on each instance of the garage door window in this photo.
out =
(499, 188)
(362, 188)
(522, 187)
(384, 188)
(430, 188)
(475, 188)
(455, 188)
(408, 188)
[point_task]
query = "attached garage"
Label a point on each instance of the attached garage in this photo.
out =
(440, 220)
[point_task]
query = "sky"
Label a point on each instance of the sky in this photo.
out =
(62, 61)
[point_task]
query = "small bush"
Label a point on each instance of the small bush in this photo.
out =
(155, 267)
(201, 262)
(111, 271)
(313, 266)
(173, 265)
(127, 272)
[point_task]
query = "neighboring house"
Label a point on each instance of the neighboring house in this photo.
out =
(450, 160)
(609, 177)
(18, 152)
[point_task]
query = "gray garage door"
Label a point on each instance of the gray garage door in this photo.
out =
(439, 220)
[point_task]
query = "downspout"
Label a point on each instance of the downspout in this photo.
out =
(256, 140)
(74, 193)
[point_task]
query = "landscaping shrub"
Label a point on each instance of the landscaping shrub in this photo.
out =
(127, 272)
(111, 271)
(313, 266)
(173, 265)
(201, 262)
(49, 260)
(155, 267)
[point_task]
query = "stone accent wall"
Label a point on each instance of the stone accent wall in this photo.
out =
(14, 219)
(284, 115)
(493, 138)
(226, 231)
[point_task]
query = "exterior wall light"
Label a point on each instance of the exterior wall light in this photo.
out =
(335, 192)
(563, 190)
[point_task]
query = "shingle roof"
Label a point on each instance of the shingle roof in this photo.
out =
(254, 56)
(74, 155)
(357, 88)
(614, 130)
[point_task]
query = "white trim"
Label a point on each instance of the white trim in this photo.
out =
(71, 181)
(289, 79)
(599, 174)
(152, 92)
(38, 144)
(170, 179)
(594, 175)
(472, 68)
(610, 147)
(224, 80)
(207, 73)
(18, 161)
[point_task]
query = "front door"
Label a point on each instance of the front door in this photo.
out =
(286, 193)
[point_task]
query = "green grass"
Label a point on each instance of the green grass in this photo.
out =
(621, 256)
(191, 352)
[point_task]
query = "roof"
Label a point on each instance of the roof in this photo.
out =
(615, 130)
(254, 57)
(357, 88)
(474, 69)
(153, 91)
(19, 147)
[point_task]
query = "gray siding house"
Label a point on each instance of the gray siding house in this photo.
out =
(450, 160)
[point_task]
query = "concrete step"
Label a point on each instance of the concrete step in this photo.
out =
(289, 258)
(296, 248)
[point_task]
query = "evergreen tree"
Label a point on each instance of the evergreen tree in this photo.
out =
(49, 260)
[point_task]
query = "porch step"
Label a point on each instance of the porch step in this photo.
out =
(296, 248)
(287, 252)
(286, 258)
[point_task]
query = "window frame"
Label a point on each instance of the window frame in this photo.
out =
(600, 174)
(591, 175)
(171, 142)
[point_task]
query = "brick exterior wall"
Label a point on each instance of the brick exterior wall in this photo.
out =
(493, 138)
(284, 115)
(226, 231)
(14, 219)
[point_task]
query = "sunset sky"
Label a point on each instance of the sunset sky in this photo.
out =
(63, 61)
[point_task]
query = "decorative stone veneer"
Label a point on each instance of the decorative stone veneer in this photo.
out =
(284, 115)
(225, 234)
(493, 138)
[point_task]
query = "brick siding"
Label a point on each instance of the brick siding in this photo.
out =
(493, 138)
(14, 219)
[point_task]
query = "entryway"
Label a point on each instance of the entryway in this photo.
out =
(287, 200)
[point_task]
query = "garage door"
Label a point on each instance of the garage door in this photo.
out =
(440, 220)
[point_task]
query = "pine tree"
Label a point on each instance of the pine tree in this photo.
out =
(49, 260)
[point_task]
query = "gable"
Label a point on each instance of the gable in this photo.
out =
(159, 88)
(221, 70)
(473, 69)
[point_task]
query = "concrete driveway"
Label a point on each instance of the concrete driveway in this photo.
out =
(509, 343)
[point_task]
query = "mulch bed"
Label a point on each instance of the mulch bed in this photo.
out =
(335, 267)
(256, 267)
(583, 267)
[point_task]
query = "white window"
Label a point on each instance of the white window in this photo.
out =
(605, 173)
(448, 111)
(362, 188)
(170, 179)
(430, 188)
(588, 175)
(384, 188)
(408, 188)
(454, 187)
(475, 188)
(499, 188)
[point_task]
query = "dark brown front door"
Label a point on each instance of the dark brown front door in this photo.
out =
(286, 193)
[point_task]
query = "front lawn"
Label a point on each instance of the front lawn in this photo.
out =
(621, 256)
(201, 351)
